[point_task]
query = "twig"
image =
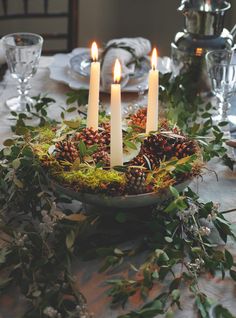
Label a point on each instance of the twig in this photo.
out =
(228, 211)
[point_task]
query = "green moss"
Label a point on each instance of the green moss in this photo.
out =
(93, 179)
(41, 149)
(46, 135)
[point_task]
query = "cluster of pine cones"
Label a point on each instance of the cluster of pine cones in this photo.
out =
(167, 143)
(68, 150)
(163, 146)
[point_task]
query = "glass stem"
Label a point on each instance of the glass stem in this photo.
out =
(224, 107)
(23, 90)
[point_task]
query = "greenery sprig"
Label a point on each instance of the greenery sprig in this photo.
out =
(184, 106)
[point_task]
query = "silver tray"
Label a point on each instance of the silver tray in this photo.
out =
(122, 202)
(81, 64)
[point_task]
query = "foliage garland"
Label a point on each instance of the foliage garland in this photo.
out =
(40, 237)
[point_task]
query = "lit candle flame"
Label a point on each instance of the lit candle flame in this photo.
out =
(94, 51)
(154, 59)
(117, 71)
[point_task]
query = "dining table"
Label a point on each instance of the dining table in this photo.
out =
(218, 184)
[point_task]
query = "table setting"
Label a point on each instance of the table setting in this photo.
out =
(117, 175)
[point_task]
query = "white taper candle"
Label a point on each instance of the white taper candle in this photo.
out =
(153, 96)
(116, 119)
(93, 102)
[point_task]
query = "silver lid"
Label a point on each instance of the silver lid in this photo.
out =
(205, 5)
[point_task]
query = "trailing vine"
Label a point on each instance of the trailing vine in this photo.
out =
(39, 237)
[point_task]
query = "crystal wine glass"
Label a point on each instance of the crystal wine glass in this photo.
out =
(23, 51)
(222, 74)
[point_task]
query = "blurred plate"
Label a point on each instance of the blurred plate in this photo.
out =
(61, 71)
(81, 64)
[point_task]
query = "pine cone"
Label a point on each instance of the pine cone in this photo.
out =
(136, 181)
(91, 137)
(139, 119)
(88, 136)
(113, 189)
(47, 161)
(166, 126)
(101, 157)
(160, 145)
(185, 148)
(145, 159)
(165, 147)
(66, 151)
(106, 134)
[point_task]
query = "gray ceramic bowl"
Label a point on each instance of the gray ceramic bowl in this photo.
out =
(122, 202)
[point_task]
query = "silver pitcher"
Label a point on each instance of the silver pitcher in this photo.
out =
(205, 18)
(204, 31)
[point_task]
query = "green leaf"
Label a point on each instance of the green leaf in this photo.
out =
(175, 294)
(221, 312)
(8, 142)
(7, 152)
(18, 183)
(203, 305)
(223, 123)
(91, 150)
(71, 109)
(82, 148)
(168, 239)
(80, 96)
(155, 274)
(154, 308)
(16, 163)
(228, 259)
(73, 124)
(174, 191)
(36, 293)
(175, 284)
(118, 251)
(228, 162)
(170, 314)
(206, 115)
(130, 144)
(70, 239)
(197, 250)
(3, 254)
(233, 274)
(162, 257)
